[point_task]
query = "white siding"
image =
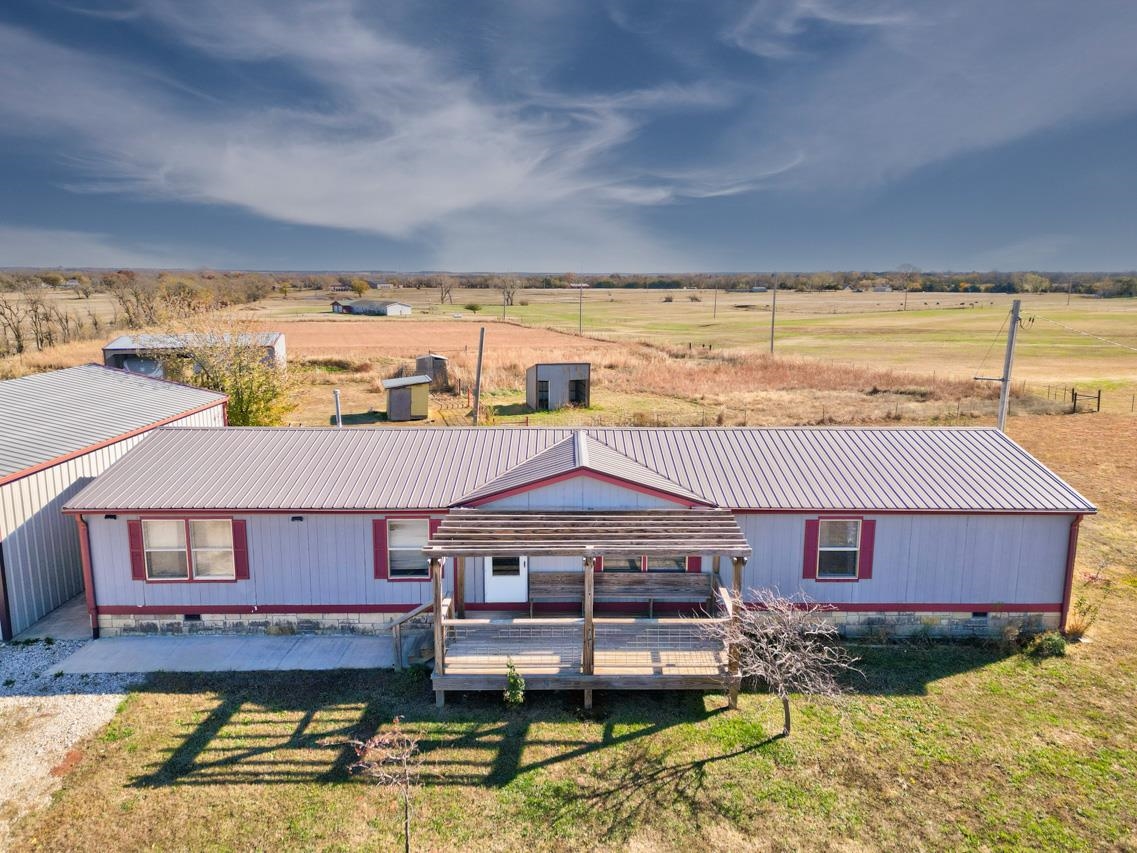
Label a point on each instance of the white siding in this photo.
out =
(922, 559)
(41, 548)
(582, 493)
(324, 559)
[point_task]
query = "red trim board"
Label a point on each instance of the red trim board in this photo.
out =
(247, 609)
(1071, 558)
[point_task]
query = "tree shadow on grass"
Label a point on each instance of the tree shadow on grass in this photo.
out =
(284, 728)
(293, 727)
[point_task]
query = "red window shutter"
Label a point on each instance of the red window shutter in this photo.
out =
(598, 564)
(809, 561)
(137, 551)
(868, 542)
(695, 565)
(431, 528)
(379, 540)
(240, 550)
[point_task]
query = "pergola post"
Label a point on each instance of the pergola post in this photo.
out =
(460, 587)
(737, 564)
(439, 629)
(716, 570)
(587, 665)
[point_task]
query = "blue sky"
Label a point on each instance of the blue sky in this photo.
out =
(632, 135)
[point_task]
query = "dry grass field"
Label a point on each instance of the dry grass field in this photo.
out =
(937, 747)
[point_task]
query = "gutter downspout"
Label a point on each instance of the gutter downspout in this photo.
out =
(1071, 557)
(88, 575)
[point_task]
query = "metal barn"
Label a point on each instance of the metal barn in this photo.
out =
(373, 307)
(144, 353)
(437, 367)
(60, 430)
(408, 398)
(556, 385)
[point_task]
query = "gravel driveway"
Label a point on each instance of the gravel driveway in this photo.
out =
(42, 718)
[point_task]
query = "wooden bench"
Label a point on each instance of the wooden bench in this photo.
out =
(651, 587)
(555, 587)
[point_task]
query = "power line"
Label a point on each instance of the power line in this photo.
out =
(991, 346)
(1087, 334)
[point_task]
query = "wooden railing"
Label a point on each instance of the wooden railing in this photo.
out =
(397, 629)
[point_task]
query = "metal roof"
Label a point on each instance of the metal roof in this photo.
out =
(652, 533)
(47, 416)
(403, 381)
(135, 343)
(799, 468)
(575, 453)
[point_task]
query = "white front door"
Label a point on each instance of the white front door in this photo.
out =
(507, 579)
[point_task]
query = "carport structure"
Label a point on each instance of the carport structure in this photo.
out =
(589, 652)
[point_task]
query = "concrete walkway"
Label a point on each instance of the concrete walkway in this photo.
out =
(231, 653)
(68, 622)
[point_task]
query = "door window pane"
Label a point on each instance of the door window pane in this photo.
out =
(505, 567)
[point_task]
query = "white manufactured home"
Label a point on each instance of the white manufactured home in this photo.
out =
(572, 553)
(58, 431)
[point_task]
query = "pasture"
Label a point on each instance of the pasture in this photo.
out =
(937, 746)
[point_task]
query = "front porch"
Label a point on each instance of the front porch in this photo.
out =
(590, 652)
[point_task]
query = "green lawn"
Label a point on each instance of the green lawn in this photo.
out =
(941, 746)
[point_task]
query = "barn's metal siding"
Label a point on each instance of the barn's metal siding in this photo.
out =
(558, 376)
(324, 559)
(920, 559)
(41, 548)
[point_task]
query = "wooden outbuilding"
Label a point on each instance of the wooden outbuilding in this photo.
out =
(556, 385)
(437, 368)
(408, 398)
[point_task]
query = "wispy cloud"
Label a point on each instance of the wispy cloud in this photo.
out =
(376, 126)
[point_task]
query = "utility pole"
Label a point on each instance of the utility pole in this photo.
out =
(773, 314)
(580, 309)
(715, 310)
(478, 376)
(1008, 362)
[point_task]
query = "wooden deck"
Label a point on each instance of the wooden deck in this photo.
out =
(653, 654)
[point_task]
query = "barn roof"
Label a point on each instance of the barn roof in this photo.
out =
(135, 343)
(48, 416)
(800, 468)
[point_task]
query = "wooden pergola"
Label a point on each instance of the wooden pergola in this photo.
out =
(588, 535)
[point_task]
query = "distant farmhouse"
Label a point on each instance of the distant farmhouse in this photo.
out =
(373, 307)
(554, 386)
(145, 353)
(61, 430)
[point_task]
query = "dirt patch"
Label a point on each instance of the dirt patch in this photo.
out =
(72, 758)
(362, 338)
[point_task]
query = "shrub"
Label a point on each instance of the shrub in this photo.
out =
(1050, 644)
(669, 298)
(694, 297)
(514, 693)
(472, 307)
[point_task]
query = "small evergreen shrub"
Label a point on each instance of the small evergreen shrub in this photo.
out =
(1050, 644)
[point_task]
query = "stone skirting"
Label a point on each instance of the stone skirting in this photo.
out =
(946, 625)
(253, 623)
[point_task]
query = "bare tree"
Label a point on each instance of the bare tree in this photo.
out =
(786, 643)
(446, 285)
(393, 760)
(13, 314)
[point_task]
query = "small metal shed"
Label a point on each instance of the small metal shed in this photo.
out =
(554, 386)
(408, 398)
(436, 367)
